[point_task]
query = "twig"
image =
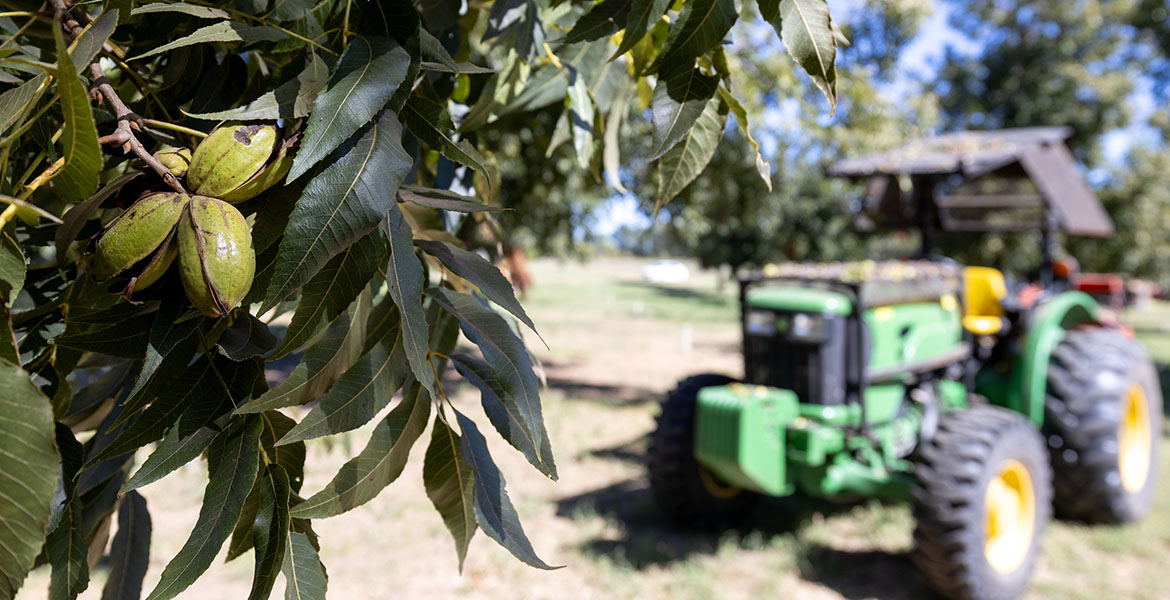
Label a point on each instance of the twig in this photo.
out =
(103, 92)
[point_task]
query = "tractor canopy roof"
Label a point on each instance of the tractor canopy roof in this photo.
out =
(1007, 180)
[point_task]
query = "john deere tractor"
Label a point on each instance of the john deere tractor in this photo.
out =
(987, 404)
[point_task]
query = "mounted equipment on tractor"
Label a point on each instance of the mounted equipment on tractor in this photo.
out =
(986, 405)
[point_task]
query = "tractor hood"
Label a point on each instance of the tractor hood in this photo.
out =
(800, 299)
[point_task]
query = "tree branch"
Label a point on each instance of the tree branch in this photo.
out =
(103, 92)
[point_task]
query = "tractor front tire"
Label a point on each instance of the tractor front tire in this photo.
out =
(686, 491)
(1103, 418)
(982, 502)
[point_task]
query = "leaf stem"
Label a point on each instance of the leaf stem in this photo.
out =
(7, 215)
(4, 166)
(173, 127)
(17, 13)
(438, 383)
(40, 180)
(18, 203)
(19, 32)
(32, 166)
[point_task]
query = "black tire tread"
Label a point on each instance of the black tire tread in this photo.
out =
(673, 470)
(1082, 411)
(951, 470)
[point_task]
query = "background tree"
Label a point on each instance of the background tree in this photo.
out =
(385, 113)
(1102, 63)
(1139, 201)
(1082, 66)
(729, 217)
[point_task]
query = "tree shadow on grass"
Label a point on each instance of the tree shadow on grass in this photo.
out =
(633, 451)
(682, 293)
(647, 539)
(862, 574)
(605, 394)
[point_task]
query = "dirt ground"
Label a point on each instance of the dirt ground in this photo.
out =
(615, 345)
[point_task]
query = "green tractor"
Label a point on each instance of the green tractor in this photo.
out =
(986, 405)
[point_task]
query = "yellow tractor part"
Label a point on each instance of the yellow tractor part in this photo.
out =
(984, 289)
(1134, 440)
(1010, 510)
(717, 487)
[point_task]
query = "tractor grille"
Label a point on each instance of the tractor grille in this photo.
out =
(816, 372)
(775, 361)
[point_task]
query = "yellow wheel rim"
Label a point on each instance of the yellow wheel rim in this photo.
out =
(1134, 440)
(1010, 507)
(717, 487)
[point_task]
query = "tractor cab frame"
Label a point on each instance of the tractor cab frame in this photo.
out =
(927, 185)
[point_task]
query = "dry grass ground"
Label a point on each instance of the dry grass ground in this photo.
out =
(616, 345)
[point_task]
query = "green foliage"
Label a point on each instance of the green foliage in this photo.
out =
(340, 205)
(807, 31)
(493, 510)
(450, 485)
(1139, 203)
(28, 474)
(79, 140)
(1093, 56)
(378, 464)
(739, 212)
(232, 463)
(130, 550)
(271, 530)
(393, 134)
(302, 569)
(679, 98)
(687, 159)
(1082, 85)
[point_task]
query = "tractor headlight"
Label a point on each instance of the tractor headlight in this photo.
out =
(808, 328)
(761, 322)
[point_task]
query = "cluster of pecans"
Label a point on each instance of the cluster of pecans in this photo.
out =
(210, 238)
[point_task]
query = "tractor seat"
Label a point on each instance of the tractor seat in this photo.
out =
(984, 290)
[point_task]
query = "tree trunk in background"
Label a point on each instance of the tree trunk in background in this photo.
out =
(515, 267)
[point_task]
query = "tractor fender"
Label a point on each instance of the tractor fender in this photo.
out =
(1045, 329)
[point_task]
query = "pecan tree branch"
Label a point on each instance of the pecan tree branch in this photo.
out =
(128, 121)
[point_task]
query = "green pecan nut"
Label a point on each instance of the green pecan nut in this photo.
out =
(137, 233)
(176, 160)
(157, 266)
(237, 161)
(269, 176)
(216, 259)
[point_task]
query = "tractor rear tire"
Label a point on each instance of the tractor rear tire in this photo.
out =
(1103, 419)
(685, 490)
(982, 503)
